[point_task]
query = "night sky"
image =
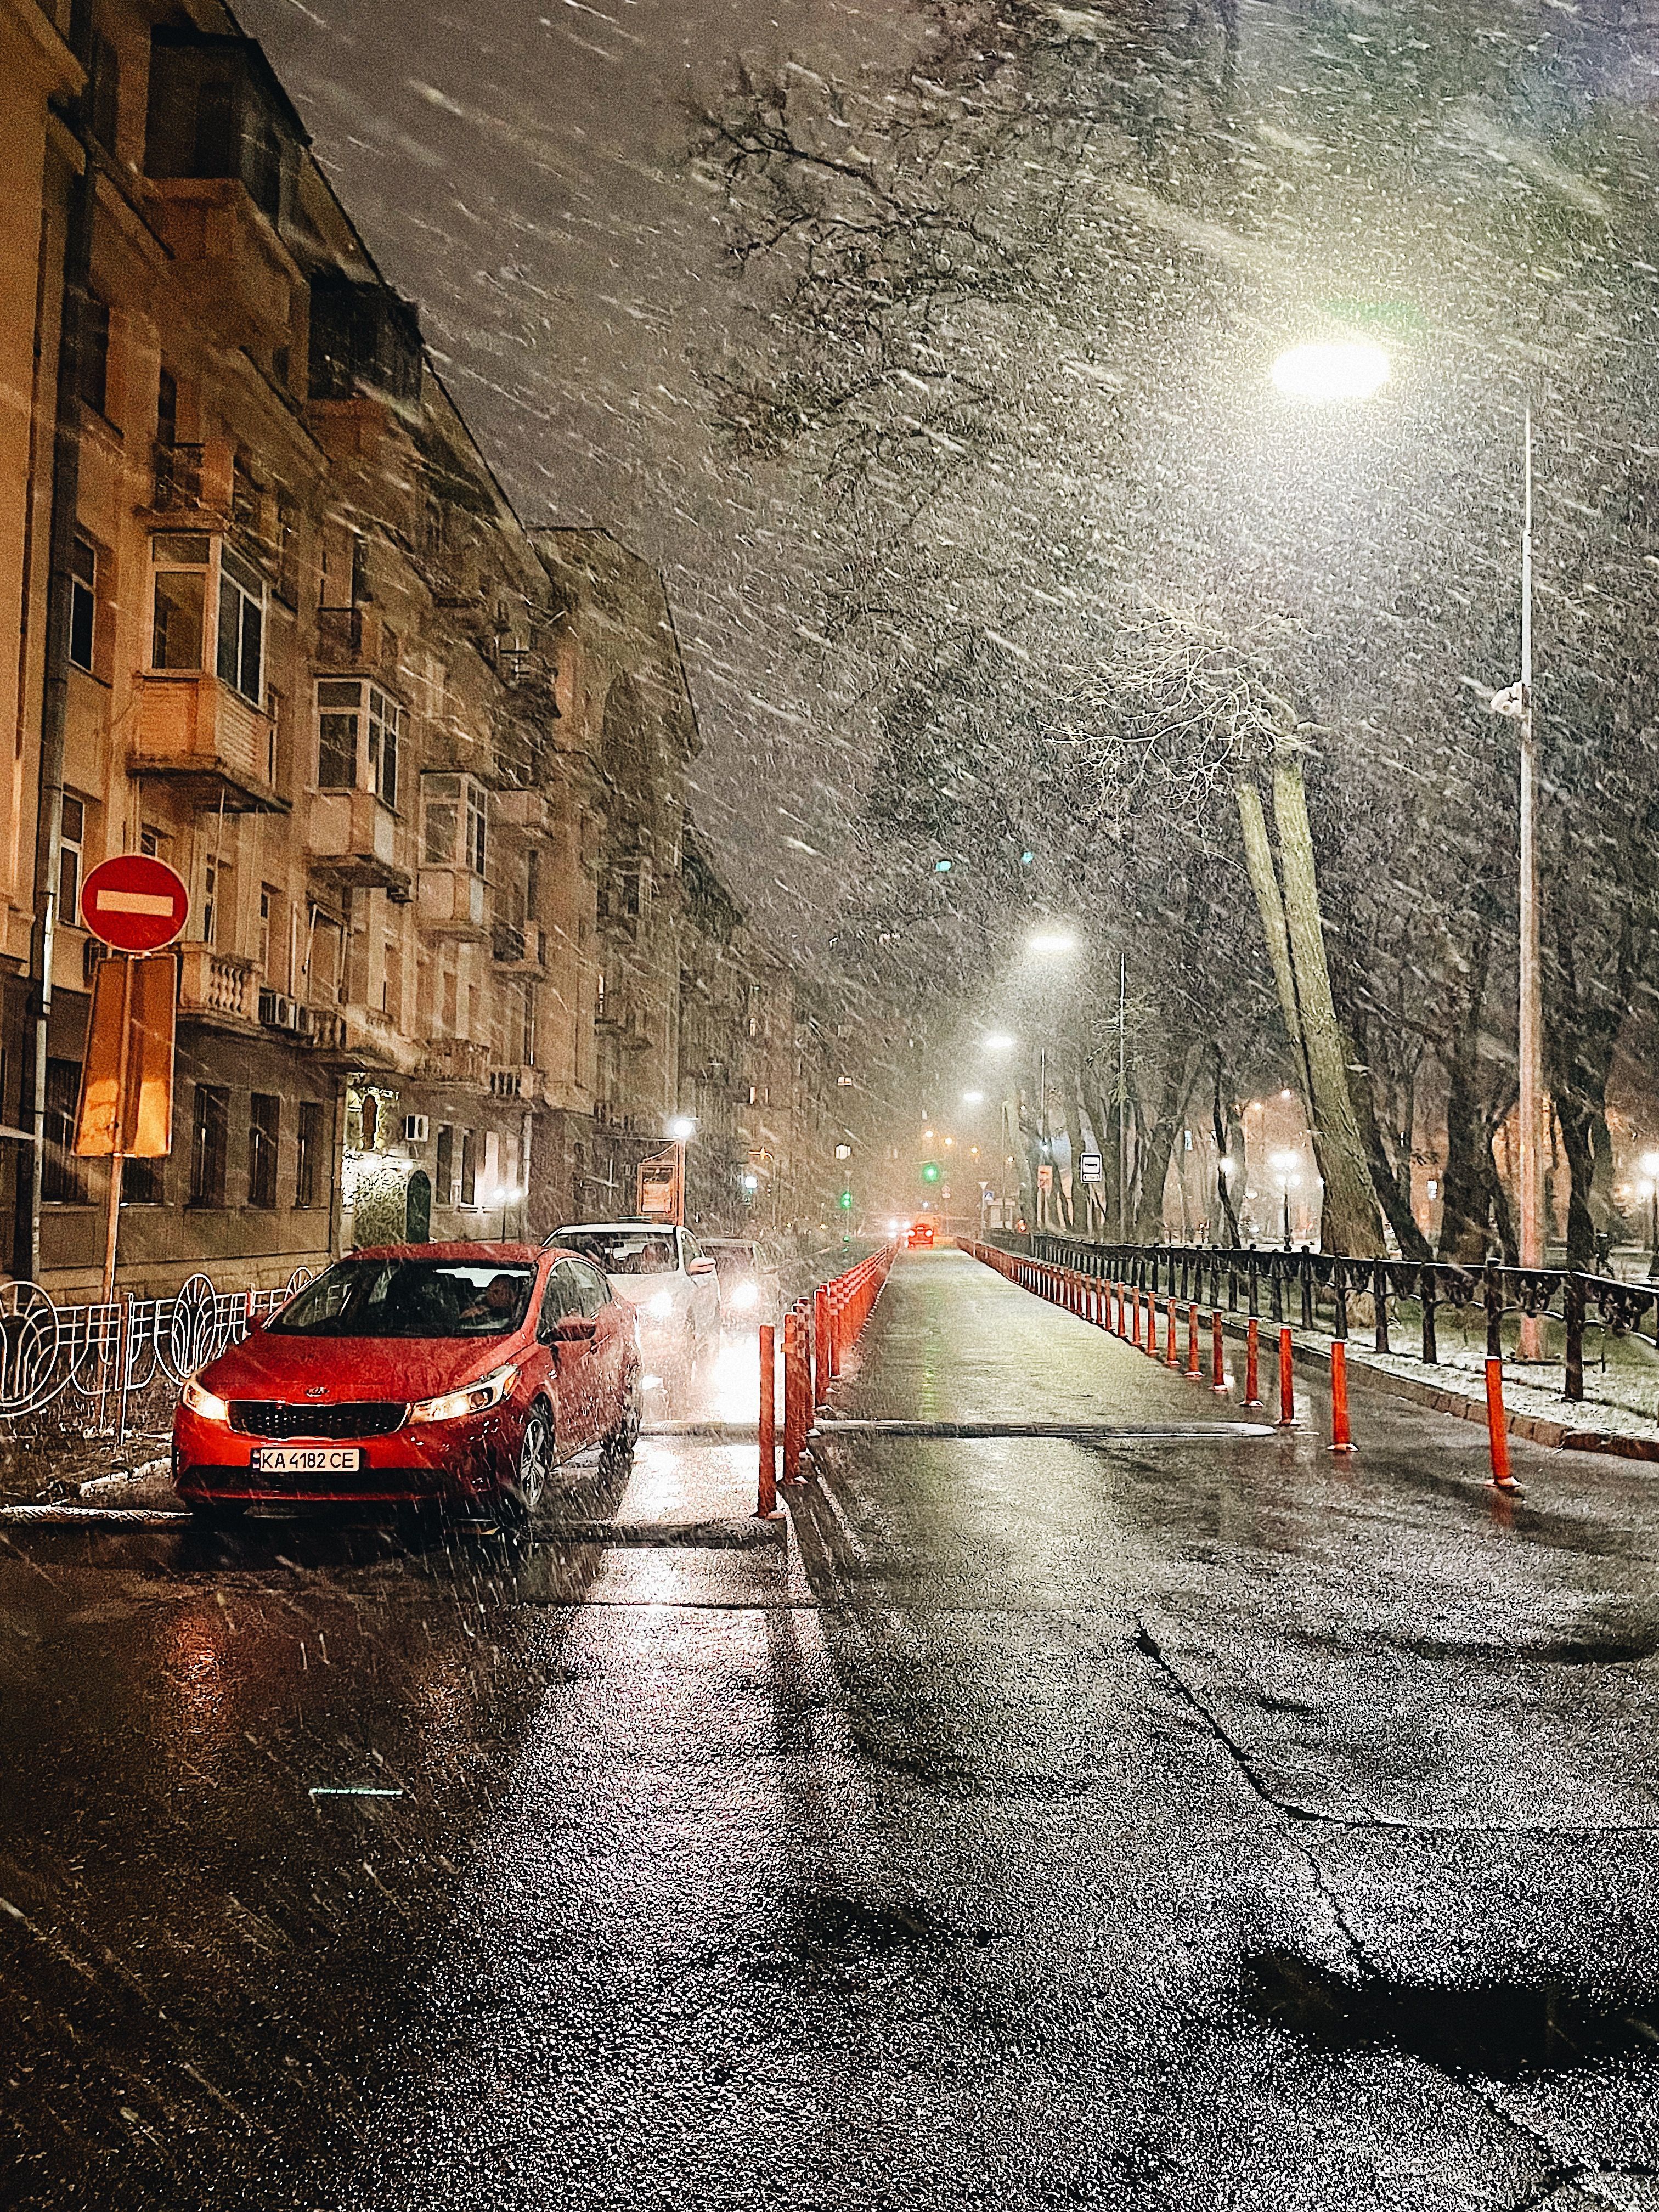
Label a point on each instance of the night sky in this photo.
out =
(519, 170)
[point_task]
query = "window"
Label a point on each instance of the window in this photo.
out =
(143, 1183)
(166, 408)
(444, 1171)
(271, 928)
(442, 796)
(152, 841)
(104, 92)
(306, 1176)
(527, 1027)
(469, 1195)
(211, 886)
(323, 947)
(71, 846)
(392, 982)
(533, 884)
(209, 1131)
(385, 720)
(241, 626)
(264, 1129)
(345, 709)
(457, 822)
(62, 1180)
(178, 624)
(83, 603)
(92, 353)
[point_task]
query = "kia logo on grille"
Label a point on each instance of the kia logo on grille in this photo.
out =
(318, 1390)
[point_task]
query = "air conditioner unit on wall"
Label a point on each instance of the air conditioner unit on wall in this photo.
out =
(415, 1128)
(278, 1012)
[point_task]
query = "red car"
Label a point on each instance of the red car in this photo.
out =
(444, 1375)
(920, 1239)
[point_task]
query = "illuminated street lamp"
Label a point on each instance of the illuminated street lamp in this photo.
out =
(972, 1097)
(1285, 1166)
(998, 1042)
(1340, 369)
(1650, 1169)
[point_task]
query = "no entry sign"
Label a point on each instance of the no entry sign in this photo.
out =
(134, 904)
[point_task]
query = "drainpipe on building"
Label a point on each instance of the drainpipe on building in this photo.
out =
(523, 1176)
(66, 501)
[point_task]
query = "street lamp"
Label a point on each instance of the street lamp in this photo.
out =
(972, 1097)
(998, 1042)
(1285, 1166)
(1342, 368)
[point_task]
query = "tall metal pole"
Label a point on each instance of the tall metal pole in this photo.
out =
(1122, 1096)
(1531, 1022)
(1043, 1158)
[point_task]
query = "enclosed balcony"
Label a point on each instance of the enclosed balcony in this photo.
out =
(209, 741)
(455, 1060)
(517, 947)
(353, 838)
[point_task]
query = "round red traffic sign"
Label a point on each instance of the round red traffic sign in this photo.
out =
(134, 904)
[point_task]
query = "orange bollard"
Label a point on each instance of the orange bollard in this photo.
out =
(797, 1394)
(1195, 1373)
(769, 1422)
(1497, 1427)
(1341, 1434)
(1286, 1381)
(1174, 1359)
(1150, 1345)
(1218, 1382)
(1134, 1321)
(1253, 1364)
(821, 1367)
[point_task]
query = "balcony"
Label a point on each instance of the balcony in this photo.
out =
(455, 1060)
(216, 986)
(352, 838)
(376, 1041)
(520, 952)
(348, 640)
(513, 1083)
(453, 903)
(229, 266)
(208, 741)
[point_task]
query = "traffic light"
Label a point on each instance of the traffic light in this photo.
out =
(930, 1170)
(846, 1201)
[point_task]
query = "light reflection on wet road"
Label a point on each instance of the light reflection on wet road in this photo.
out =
(1053, 1822)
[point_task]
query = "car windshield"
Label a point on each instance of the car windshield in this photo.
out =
(737, 1260)
(409, 1297)
(640, 1251)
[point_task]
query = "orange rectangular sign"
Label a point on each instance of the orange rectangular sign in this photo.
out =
(130, 1040)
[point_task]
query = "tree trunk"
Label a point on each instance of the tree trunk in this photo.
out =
(1466, 1189)
(1396, 1202)
(1227, 1212)
(1264, 882)
(1349, 1221)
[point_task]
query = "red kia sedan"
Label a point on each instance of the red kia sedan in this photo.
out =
(441, 1375)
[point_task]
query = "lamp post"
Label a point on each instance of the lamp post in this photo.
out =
(1650, 1169)
(681, 1130)
(1285, 1166)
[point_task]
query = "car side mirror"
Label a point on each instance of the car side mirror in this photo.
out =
(575, 1328)
(700, 1267)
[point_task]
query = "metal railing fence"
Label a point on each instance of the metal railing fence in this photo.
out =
(1316, 1291)
(94, 1364)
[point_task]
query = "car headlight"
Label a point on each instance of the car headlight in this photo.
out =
(745, 1296)
(202, 1403)
(478, 1398)
(662, 1305)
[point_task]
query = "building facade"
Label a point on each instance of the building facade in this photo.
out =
(424, 772)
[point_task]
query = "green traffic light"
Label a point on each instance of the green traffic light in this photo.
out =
(846, 1201)
(930, 1171)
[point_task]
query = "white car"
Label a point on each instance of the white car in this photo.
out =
(749, 1290)
(669, 1280)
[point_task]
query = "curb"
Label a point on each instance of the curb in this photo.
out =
(1536, 1428)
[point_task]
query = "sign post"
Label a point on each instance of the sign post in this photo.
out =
(137, 906)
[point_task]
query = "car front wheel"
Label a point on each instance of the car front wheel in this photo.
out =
(524, 1493)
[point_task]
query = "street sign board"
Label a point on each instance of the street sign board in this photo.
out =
(1093, 1170)
(134, 904)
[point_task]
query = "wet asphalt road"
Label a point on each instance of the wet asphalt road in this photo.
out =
(1125, 1820)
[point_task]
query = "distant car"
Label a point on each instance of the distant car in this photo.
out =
(453, 1374)
(920, 1239)
(751, 1292)
(667, 1278)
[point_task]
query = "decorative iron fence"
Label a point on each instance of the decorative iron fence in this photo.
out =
(94, 1364)
(1324, 1290)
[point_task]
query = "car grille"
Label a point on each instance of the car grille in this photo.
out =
(357, 1417)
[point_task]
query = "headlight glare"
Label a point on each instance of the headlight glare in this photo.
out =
(478, 1398)
(745, 1296)
(662, 1305)
(202, 1403)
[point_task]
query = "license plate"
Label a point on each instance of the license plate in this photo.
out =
(306, 1459)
